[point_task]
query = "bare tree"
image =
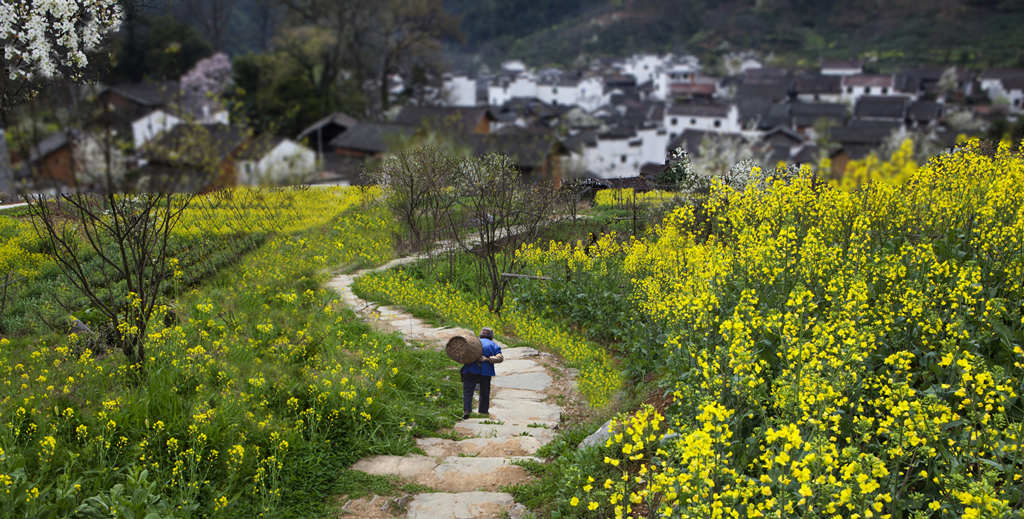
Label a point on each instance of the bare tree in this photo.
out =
(415, 182)
(129, 234)
(370, 40)
(213, 17)
(504, 211)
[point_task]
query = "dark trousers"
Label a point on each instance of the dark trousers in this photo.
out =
(469, 382)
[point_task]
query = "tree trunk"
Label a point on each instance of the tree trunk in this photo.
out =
(6, 173)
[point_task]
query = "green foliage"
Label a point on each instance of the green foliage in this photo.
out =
(271, 91)
(260, 390)
(158, 48)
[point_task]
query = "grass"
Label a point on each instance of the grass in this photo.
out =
(259, 392)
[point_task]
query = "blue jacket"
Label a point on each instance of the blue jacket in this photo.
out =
(484, 368)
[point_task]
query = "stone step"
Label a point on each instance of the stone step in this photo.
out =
(464, 505)
(522, 352)
(452, 474)
(482, 447)
(536, 381)
(476, 428)
(504, 393)
(516, 366)
(525, 412)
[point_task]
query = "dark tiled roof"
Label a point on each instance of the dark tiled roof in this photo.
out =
(1013, 83)
(924, 111)
(883, 107)
(372, 137)
(817, 84)
(808, 154)
(1002, 73)
(785, 131)
(529, 149)
(50, 144)
(450, 118)
(862, 132)
(700, 110)
(868, 80)
(339, 119)
(841, 63)
(805, 114)
(771, 90)
(148, 93)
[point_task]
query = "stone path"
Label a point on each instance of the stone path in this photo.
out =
(465, 474)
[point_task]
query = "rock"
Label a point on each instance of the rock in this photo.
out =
(599, 436)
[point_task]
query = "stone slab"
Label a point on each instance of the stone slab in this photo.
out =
(459, 474)
(504, 393)
(525, 412)
(411, 467)
(477, 429)
(464, 505)
(486, 447)
(515, 366)
(521, 352)
(536, 381)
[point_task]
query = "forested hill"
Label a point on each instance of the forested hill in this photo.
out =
(975, 32)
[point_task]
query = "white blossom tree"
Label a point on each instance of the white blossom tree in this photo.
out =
(44, 39)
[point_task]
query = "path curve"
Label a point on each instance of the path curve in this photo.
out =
(465, 474)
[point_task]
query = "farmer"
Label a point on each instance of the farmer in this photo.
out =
(480, 372)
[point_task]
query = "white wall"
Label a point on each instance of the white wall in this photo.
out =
(591, 94)
(521, 86)
(613, 158)
(145, 128)
(840, 71)
(460, 91)
(858, 91)
(676, 124)
(563, 95)
(822, 98)
(644, 67)
(287, 162)
(655, 140)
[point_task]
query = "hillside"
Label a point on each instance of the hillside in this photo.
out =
(975, 32)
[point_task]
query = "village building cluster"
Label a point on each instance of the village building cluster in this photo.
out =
(613, 121)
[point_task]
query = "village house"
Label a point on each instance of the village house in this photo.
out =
(319, 134)
(718, 118)
(447, 119)
(1005, 86)
(855, 86)
(269, 160)
(881, 108)
(459, 90)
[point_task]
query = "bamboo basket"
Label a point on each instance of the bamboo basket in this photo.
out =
(465, 350)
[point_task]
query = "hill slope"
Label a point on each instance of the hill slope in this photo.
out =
(979, 32)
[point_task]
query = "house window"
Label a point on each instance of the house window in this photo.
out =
(693, 121)
(849, 90)
(675, 121)
(867, 90)
(622, 159)
(885, 90)
(718, 123)
(554, 90)
(817, 97)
